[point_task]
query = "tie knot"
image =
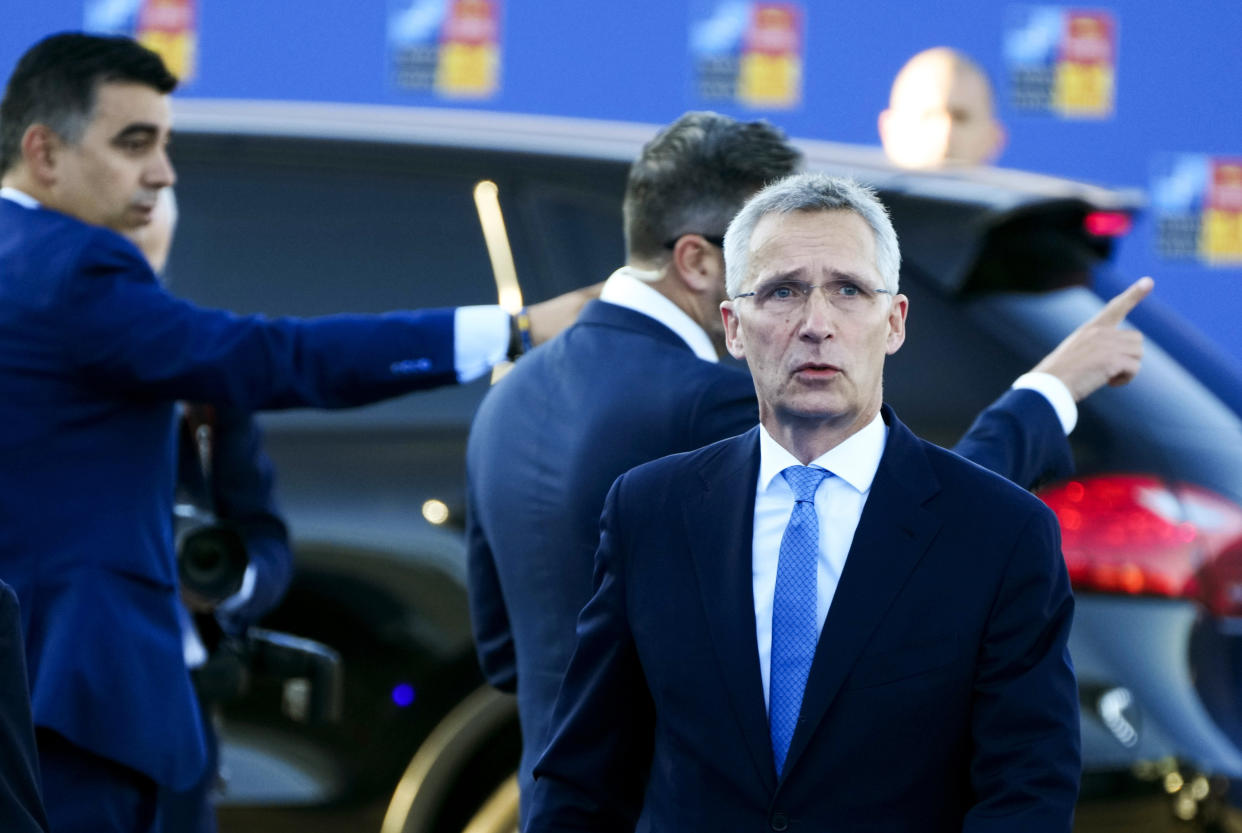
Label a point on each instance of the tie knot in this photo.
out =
(804, 480)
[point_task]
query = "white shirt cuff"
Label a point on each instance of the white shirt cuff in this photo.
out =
(480, 340)
(243, 594)
(1057, 394)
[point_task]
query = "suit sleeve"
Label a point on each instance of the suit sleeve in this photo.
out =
(125, 334)
(489, 618)
(244, 495)
(1020, 438)
(1027, 757)
(592, 774)
(21, 807)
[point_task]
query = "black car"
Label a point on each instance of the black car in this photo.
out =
(311, 209)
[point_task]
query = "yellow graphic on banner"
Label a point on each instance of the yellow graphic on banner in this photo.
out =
(170, 28)
(1083, 90)
(1220, 240)
(769, 80)
(1085, 74)
(469, 62)
(770, 69)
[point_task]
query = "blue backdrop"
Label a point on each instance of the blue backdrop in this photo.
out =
(1177, 67)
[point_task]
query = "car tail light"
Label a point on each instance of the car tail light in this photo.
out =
(1137, 535)
(1107, 223)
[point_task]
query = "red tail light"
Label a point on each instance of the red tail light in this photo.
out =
(1138, 535)
(1107, 223)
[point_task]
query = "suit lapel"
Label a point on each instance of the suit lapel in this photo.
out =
(892, 536)
(719, 525)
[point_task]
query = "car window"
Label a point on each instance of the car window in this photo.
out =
(299, 229)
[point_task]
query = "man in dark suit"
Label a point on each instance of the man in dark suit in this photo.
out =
(93, 354)
(637, 378)
(824, 623)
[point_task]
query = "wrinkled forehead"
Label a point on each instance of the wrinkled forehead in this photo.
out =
(812, 246)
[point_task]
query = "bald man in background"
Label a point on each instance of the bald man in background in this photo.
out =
(941, 113)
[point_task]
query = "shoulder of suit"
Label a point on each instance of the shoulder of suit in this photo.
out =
(975, 483)
(67, 246)
(674, 469)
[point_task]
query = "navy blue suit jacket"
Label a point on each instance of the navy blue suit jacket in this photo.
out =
(615, 390)
(940, 699)
(93, 353)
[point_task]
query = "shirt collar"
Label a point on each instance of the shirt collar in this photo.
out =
(631, 288)
(855, 460)
(20, 197)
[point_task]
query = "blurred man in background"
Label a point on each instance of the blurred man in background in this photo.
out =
(638, 377)
(941, 112)
(93, 356)
(223, 469)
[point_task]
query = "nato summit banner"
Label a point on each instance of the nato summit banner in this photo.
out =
(1197, 203)
(1062, 61)
(747, 53)
(169, 27)
(445, 49)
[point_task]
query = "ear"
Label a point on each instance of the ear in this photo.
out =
(999, 139)
(699, 264)
(897, 324)
(733, 333)
(41, 148)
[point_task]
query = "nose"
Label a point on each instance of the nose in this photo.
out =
(817, 316)
(160, 173)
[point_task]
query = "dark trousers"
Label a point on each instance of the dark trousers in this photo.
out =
(84, 793)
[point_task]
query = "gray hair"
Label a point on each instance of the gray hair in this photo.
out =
(811, 192)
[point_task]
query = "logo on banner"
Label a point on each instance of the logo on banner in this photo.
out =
(168, 27)
(748, 52)
(450, 48)
(1062, 61)
(1197, 201)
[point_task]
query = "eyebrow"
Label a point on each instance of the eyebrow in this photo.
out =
(797, 273)
(138, 130)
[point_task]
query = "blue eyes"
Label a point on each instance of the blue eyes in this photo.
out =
(802, 291)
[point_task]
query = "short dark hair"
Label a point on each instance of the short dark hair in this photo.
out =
(695, 175)
(55, 83)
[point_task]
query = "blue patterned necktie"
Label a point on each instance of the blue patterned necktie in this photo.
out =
(794, 623)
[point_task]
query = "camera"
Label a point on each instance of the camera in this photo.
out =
(211, 565)
(211, 558)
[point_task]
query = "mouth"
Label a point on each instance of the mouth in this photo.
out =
(816, 371)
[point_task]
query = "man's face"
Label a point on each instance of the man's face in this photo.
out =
(941, 114)
(112, 176)
(820, 360)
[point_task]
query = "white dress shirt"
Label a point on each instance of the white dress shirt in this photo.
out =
(838, 505)
(631, 288)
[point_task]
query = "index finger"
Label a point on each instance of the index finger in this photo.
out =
(1115, 311)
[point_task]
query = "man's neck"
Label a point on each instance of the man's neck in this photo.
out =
(642, 291)
(808, 439)
(685, 300)
(18, 179)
